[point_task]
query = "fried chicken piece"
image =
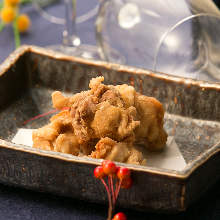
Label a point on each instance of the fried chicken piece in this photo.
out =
(126, 129)
(48, 132)
(150, 132)
(96, 86)
(114, 122)
(67, 143)
(43, 137)
(113, 97)
(41, 143)
(104, 122)
(47, 138)
(100, 112)
(57, 135)
(150, 113)
(136, 157)
(59, 101)
(127, 93)
(87, 148)
(82, 112)
(62, 121)
(103, 148)
(109, 149)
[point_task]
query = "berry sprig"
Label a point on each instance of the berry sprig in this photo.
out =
(9, 14)
(44, 114)
(117, 178)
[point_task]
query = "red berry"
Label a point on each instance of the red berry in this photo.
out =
(104, 162)
(116, 171)
(120, 216)
(123, 173)
(98, 172)
(109, 167)
(126, 183)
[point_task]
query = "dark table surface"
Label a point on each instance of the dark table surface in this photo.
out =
(16, 203)
(44, 33)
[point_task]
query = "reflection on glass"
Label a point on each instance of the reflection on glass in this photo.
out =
(193, 55)
(42, 7)
(71, 44)
(174, 37)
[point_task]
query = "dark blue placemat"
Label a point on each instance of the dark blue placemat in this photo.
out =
(16, 203)
(44, 33)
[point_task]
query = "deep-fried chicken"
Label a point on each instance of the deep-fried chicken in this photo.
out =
(114, 122)
(104, 122)
(109, 149)
(151, 114)
(67, 143)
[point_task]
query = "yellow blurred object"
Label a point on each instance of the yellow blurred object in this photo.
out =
(11, 3)
(23, 23)
(8, 14)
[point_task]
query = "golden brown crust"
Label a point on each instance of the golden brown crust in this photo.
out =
(150, 113)
(104, 122)
(59, 101)
(67, 143)
(109, 149)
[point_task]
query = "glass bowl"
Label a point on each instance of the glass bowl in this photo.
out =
(180, 38)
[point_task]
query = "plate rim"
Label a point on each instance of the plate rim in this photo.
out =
(183, 174)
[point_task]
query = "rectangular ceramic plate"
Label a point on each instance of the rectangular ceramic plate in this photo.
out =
(27, 79)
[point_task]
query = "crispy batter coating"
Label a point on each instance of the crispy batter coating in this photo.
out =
(82, 113)
(59, 101)
(109, 149)
(114, 122)
(151, 114)
(104, 122)
(67, 143)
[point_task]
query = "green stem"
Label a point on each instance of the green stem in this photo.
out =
(1, 5)
(16, 34)
(2, 25)
(26, 1)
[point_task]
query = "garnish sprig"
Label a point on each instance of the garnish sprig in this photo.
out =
(113, 178)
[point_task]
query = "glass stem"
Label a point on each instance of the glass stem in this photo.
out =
(70, 37)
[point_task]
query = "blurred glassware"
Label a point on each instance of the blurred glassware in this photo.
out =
(71, 44)
(176, 37)
(40, 6)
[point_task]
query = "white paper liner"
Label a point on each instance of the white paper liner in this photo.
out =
(169, 158)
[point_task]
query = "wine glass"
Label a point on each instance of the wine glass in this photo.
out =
(51, 16)
(175, 37)
(71, 44)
